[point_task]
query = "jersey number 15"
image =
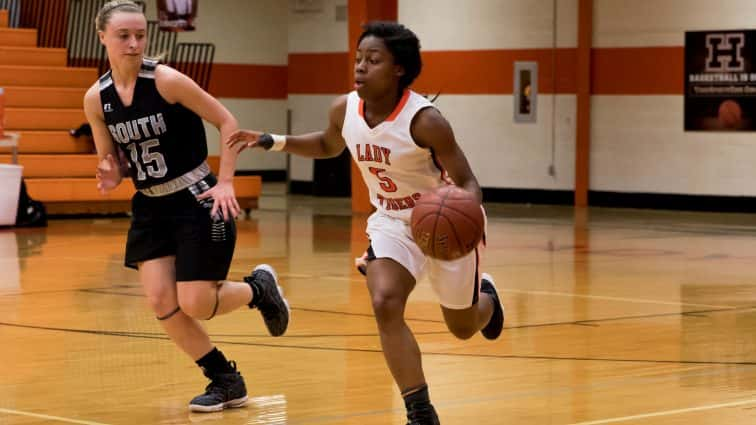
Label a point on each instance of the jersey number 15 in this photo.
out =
(154, 162)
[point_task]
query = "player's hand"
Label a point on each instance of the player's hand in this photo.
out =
(123, 164)
(243, 139)
(224, 199)
(108, 174)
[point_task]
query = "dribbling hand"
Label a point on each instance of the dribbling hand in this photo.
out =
(243, 139)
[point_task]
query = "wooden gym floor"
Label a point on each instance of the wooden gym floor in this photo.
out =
(612, 317)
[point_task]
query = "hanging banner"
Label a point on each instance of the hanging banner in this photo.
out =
(720, 80)
(177, 15)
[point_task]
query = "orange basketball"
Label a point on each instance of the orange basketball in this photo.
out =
(447, 223)
(730, 114)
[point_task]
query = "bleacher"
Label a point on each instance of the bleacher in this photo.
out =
(43, 102)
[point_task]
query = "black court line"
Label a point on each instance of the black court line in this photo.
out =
(686, 228)
(106, 292)
(592, 322)
(375, 351)
(313, 336)
(586, 322)
(409, 319)
(310, 310)
(282, 337)
(55, 291)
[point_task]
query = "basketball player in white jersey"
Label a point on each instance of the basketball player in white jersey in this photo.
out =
(403, 147)
(182, 232)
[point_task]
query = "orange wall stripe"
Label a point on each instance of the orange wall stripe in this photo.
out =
(632, 71)
(451, 72)
(248, 81)
(491, 71)
(614, 71)
(638, 70)
(318, 73)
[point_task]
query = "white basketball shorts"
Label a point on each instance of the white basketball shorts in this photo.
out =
(456, 282)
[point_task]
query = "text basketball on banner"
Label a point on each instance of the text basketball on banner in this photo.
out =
(720, 80)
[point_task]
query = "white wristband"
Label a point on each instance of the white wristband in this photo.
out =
(279, 141)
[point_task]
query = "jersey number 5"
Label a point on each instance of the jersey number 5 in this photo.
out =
(153, 161)
(387, 184)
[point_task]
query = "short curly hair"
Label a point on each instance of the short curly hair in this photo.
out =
(403, 45)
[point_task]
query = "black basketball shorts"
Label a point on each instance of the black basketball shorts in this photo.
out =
(178, 225)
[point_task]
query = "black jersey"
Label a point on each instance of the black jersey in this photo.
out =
(161, 140)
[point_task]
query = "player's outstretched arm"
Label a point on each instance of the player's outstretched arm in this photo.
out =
(320, 144)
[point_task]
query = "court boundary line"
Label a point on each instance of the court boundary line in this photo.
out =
(666, 412)
(378, 351)
(50, 417)
(610, 298)
(583, 322)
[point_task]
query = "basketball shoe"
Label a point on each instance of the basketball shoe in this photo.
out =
(493, 329)
(224, 391)
(425, 415)
(271, 303)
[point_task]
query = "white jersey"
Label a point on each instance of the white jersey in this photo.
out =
(395, 169)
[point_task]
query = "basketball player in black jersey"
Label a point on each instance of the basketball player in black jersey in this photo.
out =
(147, 123)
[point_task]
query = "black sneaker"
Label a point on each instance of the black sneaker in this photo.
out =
(493, 329)
(425, 415)
(224, 391)
(272, 304)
